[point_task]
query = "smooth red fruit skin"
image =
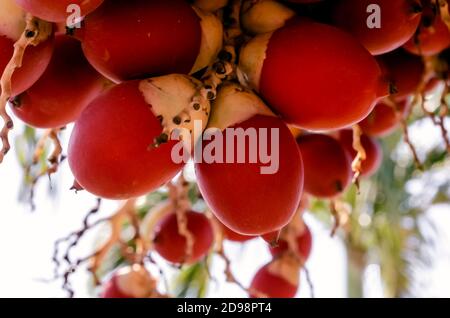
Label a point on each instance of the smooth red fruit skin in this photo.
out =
(403, 70)
(135, 39)
(112, 290)
(319, 77)
(35, 61)
(399, 22)
(383, 120)
(304, 246)
(430, 40)
(56, 10)
(171, 245)
(67, 86)
(232, 236)
(247, 201)
(327, 166)
(278, 248)
(110, 151)
(373, 150)
(271, 285)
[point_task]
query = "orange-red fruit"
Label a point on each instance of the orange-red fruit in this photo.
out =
(129, 282)
(319, 77)
(67, 86)
(384, 119)
(373, 150)
(232, 236)
(244, 199)
(58, 11)
(303, 242)
(267, 284)
(403, 71)
(110, 151)
(327, 165)
(430, 39)
(134, 39)
(35, 61)
(398, 19)
(172, 246)
(272, 238)
(112, 290)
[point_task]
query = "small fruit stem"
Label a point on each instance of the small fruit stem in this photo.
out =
(126, 212)
(35, 32)
(360, 156)
(404, 125)
(76, 187)
(72, 241)
(443, 115)
(407, 139)
(220, 251)
(179, 196)
(54, 159)
(340, 212)
(116, 222)
(309, 281)
(228, 272)
(439, 119)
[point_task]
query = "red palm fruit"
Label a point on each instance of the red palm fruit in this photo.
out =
(327, 165)
(232, 236)
(373, 150)
(303, 246)
(58, 11)
(172, 246)
(315, 76)
(254, 183)
(431, 38)
(36, 58)
(255, 203)
(279, 248)
(110, 149)
(404, 71)
(129, 282)
(273, 237)
(384, 119)
(276, 280)
(398, 22)
(154, 37)
(67, 86)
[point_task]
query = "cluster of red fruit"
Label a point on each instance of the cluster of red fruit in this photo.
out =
(138, 69)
